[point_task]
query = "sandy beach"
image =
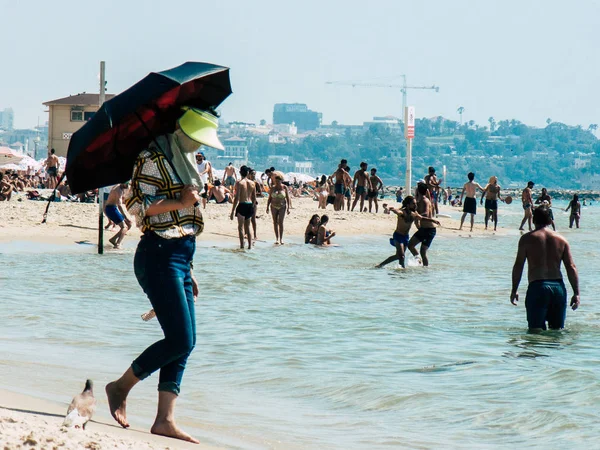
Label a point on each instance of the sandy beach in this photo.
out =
(20, 219)
(27, 422)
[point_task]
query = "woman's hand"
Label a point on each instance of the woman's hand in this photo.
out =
(195, 289)
(189, 196)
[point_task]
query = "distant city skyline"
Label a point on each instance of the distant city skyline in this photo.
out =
(507, 59)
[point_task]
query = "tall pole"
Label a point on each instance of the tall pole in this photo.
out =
(101, 190)
(409, 134)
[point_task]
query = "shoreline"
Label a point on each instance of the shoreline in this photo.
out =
(27, 420)
(70, 223)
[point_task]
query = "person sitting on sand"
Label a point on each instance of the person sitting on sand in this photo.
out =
(324, 235)
(406, 216)
(6, 189)
(575, 208)
(279, 203)
(544, 251)
(114, 208)
(312, 229)
(220, 193)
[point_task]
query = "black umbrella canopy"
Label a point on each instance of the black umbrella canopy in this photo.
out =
(104, 150)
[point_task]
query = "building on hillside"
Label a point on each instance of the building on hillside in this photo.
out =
(297, 114)
(389, 123)
(236, 152)
(67, 115)
(7, 119)
(286, 128)
(305, 167)
(283, 163)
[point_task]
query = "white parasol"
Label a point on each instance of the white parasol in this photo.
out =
(8, 156)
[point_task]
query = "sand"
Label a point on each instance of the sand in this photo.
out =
(20, 220)
(27, 422)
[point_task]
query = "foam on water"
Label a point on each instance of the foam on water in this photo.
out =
(301, 347)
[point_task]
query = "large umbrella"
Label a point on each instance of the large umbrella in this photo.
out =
(8, 156)
(104, 150)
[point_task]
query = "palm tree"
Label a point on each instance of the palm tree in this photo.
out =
(548, 121)
(492, 122)
(461, 110)
(593, 127)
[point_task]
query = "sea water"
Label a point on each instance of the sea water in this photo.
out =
(305, 347)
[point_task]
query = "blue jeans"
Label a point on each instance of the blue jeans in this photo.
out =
(162, 267)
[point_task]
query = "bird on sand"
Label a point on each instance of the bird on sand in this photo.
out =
(82, 408)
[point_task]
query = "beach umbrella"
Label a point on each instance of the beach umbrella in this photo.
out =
(104, 150)
(8, 156)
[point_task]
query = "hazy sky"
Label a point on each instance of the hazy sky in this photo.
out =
(524, 59)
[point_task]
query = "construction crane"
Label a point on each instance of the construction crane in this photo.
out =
(403, 88)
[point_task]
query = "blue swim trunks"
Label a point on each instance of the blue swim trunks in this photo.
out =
(339, 188)
(360, 190)
(113, 213)
(399, 239)
(546, 301)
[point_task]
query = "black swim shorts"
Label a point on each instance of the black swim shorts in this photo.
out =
(372, 194)
(470, 205)
(546, 301)
(425, 236)
(245, 209)
(491, 204)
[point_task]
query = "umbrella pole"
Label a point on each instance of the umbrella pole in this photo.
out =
(100, 221)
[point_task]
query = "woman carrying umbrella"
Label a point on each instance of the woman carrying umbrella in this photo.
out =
(164, 199)
(279, 202)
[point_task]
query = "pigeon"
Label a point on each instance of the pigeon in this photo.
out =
(82, 408)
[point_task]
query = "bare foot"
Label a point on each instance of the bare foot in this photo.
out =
(113, 240)
(281, 243)
(117, 402)
(169, 429)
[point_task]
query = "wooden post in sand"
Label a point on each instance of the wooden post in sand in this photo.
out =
(101, 190)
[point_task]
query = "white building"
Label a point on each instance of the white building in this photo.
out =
(305, 167)
(236, 152)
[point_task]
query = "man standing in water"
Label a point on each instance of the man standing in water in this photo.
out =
(470, 205)
(527, 200)
(360, 185)
(546, 299)
(52, 165)
(492, 195)
(546, 200)
(114, 208)
(426, 232)
(243, 205)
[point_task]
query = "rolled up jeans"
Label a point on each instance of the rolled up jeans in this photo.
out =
(162, 268)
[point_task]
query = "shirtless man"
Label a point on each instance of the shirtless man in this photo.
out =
(546, 198)
(52, 165)
(470, 204)
(527, 200)
(115, 210)
(492, 195)
(341, 178)
(426, 232)
(360, 184)
(546, 299)
(220, 193)
(406, 216)
(258, 188)
(229, 176)
(244, 201)
(376, 186)
(433, 185)
(6, 189)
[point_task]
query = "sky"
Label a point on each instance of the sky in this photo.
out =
(511, 59)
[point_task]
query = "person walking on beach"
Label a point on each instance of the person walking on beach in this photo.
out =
(114, 208)
(527, 200)
(470, 204)
(52, 165)
(406, 216)
(204, 168)
(229, 177)
(166, 206)
(376, 186)
(360, 184)
(544, 251)
(545, 200)
(426, 232)
(258, 188)
(244, 201)
(492, 195)
(279, 204)
(575, 208)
